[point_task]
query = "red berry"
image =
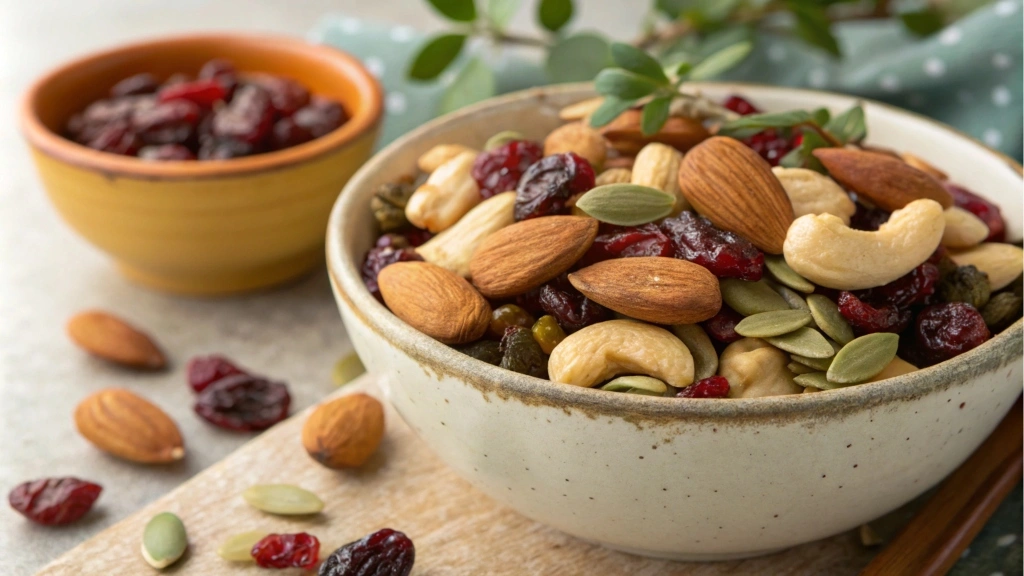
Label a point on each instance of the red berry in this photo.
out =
(982, 208)
(203, 93)
(740, 105)
(166, 152)
(868, 319)
(54, 501)
(286, 95)
(144, 83)
(710, 387)
(725, 254)
(287, 551)
(548, 184)
(945, 330)
(320, 117)
(914, 287)
(205, 370)
(172, 122)
(722, 326)
(627, 242)
(500, 169)
(771, 145)
(223, 71)
(247, 118)
(287, 133)
(386, 552)
(116, 138)
(244, 403)
(379, 257)
(569, 306)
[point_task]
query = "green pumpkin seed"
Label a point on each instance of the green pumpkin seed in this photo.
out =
(775, 323)
(238, 548)
(805, 342)
(785, 275)
(636, 385)
(347, 369)
(705, 358)
(821, 364)
(749, 298)
(794, 299)
(827, 316)
(283, 499)
(798, 368)
(163, 540)
(863, 358)
(502, 138)
(817, 380)
(626, 204)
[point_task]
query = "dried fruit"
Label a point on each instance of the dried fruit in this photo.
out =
(725, 254)
(344, 432)
(244, 403)
(379, 257)
(500, 169)
(205, 370)
(173, 122)
(722, 326)
(386, 552)
(388, 205)
(117, 139)
(54, 501)
(868, 219)
(435, 301)
(111, 338)
(867, 319)
(982, 208)
(548, 184)
(126, 425)
(144, 83)
(485, 350)
(943, 331)
(1001, 311)
(1001, 262)
(506, 316)
(247, 118)
(287, 133)
(628, 242)
(164, 540)
(521, 353)
(320, 117)
(710, 387)
(204, 93)
(914, 287)
(282, 499)
(300, 550)
(889, 183)
(863, 358)
(774, 323)
(547, 333)
(965, 284)
(238, 547)
(224, 149)
(579, 138)
(286, 95)
(643, 385)
(570, 308)
(166, 153)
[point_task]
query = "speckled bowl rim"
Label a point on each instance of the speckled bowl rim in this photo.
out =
(438, 359)
(57, 146)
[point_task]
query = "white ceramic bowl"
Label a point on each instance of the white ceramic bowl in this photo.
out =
(683, 479)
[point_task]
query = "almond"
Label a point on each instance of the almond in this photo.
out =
(653, 288)
(889, 183)
(435, 301)
(130, 427)
(924, 166)
(527, 254)
(734, 187)
(624, 134)
(344, 432)
(113, 339)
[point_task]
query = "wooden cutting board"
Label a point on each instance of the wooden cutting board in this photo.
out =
(456, 529)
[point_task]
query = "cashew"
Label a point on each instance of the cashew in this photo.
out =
(755, 368)
(438, 155)
(963, 229)
(579, 138)
(811, 192)
(923, 165)
(657, 166)
(1002, 262)
(453, 248)
(606, 349)
(824, 250)
(614, 176)
(448, 193)
(581, 110)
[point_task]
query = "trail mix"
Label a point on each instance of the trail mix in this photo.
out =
(218, 115)
(731, 254)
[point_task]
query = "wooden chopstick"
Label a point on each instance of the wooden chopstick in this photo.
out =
(938, 534)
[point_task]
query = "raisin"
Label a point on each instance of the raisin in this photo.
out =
(286, 95)
(386, 552)
(395, 241)
(868, 219)
(710, 387)
(914, 287)
(244, 403)
(205, 370)
(377, 259)
(417, 237)
(988, 212)
(173, 122)
(485, 350)
(224, 149)
(521, 353)
(508, 315)
(966, 284)
(144, 83)
(286, 133)
(287, 551)
(868, 319)
(570, 308)
(724, 254)
(320, 116)
(102, 113)
(54, 501)
(166, 152)
(388, 205)
(946, 330)
(223, 71)
(247, 118)
(549, 183)
(1001, 311)
(117, 139)
(740, 105)
(500, 169)
(627, 242)
(547, 333)
(203, 93)
(722, 326)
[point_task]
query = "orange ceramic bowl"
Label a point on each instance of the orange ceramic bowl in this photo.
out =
(210, 227)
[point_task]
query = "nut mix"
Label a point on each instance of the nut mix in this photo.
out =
(785, 255)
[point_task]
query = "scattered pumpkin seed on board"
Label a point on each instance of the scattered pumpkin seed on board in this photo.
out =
(164, 540)
(705, 357)
(863, 358)
(238, 548)
(827, 316)
(804, 342)
(347, 369)
(749, 298)
(645, 385)
(774, 323)
(785, 275)
(283, 499)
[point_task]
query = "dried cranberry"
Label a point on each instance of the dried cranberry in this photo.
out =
(377, 259)
(175, 79)
(54, 501)
(223, 71)
(628, 241)
(911, 288)
(205, 370)
(117, 139)
(500, 169)
(869, 219)
(417, 237)
(103, 112)
(548, 184)
(386, 552)
(286, 95)
(244, 403)
(725, 254)
(144, 83)
(722, 326)
(224, 149)
(320, 116)
(166, 152)
(982, 208)
(740, 105)
(570, 308)
(204, 93)
(710, 387)
(868, 319)
(172, 122)
(287, 133)
(247, 118)
(287, 551)
(946, 330)
(770, 144)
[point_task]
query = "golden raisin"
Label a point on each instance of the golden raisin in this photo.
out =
(507, 316)
(548, 333)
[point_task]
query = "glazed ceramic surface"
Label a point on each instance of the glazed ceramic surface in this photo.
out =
(684, 479)
(204, 227)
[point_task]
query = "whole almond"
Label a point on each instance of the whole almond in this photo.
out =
(344, 432)
(527, 254)
(111, 338)
(889, 183)
(624, 133)
(924, 166)
(734, 187)
(128, 426)
(435, 301)
(652, 288)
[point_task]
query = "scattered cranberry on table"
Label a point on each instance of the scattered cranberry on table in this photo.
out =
(54, 501)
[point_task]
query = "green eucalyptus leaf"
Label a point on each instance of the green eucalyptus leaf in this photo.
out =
(457, 10)
(849, 126)
(821, 116)
(684, 68)
(923, 22)
(577, 58)
(436, 55)
(626, 204)
(637, 61)
(758, 122)
(623, 84)
(795, 158)
(553, 14)
(721, 61)
(721, 39)
(609, 110)
(654, 115)
(474, 83)
(500, 12)
(813, 25)
(811, 142)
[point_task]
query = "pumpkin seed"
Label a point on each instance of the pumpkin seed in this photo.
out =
(636, 385)
(817, 380)
(283, 499)
(827, 316)
(775, 323)
(502, 138)
(803, 341)
(749, 298)
(347, 369)
(626, 204)
(794, 299)
(163, 540)
(785, 275)
(863, 358)
(705, 358)
(798, 368)
(238, 548)
(821, 364)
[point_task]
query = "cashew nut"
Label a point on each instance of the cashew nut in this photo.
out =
(755, 368)
(811, 192)
(824, 250)
(448, 193)
(580, 138)
(657, 166)
(614, 176)
(1002, 262)
(963, 229)
(606, 349)
(438, 155)
(453, 248)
